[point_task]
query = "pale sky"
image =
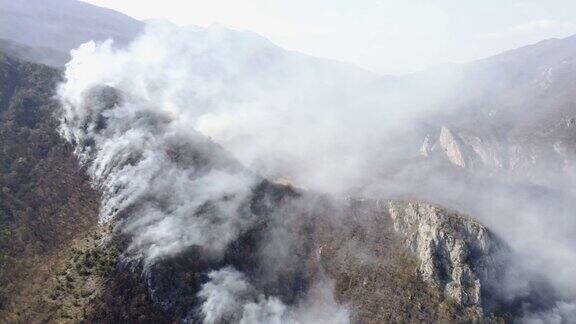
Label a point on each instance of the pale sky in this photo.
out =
(384, 36)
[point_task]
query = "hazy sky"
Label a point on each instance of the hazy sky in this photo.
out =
(385, 36)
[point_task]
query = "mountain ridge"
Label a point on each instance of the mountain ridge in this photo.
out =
(500, 148)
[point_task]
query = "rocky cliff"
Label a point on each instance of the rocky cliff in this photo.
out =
(459, 255)
(543, 157)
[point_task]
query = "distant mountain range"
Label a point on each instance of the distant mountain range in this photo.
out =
(61, 25)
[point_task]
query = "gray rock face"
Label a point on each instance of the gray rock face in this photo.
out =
(463, 149)
(451, 146)
(541, 158)
(457, 254)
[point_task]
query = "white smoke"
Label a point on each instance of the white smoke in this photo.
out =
(133, 115)
(143, 156)
(559, 314)
(228, 297)
(278, 112)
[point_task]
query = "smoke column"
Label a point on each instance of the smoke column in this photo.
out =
(132, 116)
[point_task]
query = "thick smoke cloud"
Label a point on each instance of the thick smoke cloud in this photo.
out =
(132, 116)
(141, 158)
(230, 298)
(140, 117)
(280, 113)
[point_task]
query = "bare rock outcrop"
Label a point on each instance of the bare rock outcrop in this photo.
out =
(464, 149)
(457, 254)
(452, 147)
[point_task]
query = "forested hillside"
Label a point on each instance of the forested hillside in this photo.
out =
(45, 199)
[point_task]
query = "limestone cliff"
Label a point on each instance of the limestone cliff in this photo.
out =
(457, 254)
(464, 149)
(543, 157)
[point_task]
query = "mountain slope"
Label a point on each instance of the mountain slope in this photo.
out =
(87, 280)
(519, 106)
(62, 25)
(42, 55)
(45, 199)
